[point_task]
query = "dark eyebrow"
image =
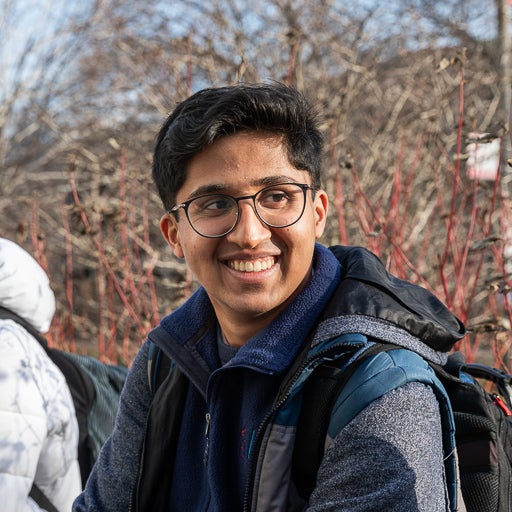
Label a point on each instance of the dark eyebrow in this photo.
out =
(208, 189)
(219, 188)
(275, 180)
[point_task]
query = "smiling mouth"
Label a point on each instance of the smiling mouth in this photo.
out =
(252, 265)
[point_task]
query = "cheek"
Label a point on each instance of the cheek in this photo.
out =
(308, 232)
(197, 251)
(299, 245)
(188, 244)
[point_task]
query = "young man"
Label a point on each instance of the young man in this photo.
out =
(238, 171)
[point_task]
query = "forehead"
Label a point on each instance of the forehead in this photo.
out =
(240, 163)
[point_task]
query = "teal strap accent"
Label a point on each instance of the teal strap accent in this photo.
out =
(382, 372)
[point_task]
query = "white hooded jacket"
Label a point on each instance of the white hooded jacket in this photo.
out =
(38, 427)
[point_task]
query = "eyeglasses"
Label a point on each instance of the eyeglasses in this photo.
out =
(216, 215)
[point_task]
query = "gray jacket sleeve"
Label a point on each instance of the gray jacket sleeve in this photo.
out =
(388, 458)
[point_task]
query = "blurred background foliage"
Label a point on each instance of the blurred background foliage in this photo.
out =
(403, 87)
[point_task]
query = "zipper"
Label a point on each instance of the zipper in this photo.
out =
(285, 394)
(207, 438)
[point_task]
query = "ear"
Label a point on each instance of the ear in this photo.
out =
(169, 228)
(321, 205)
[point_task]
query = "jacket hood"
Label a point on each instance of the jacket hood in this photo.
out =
(25, 287)
(368, 290)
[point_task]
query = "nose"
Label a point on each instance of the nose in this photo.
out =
(250, 230)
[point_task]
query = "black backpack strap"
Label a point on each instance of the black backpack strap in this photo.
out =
(159, 366)
(169, 391)
(37, 495)
(317, 401)
(319, 396)
(501, 379)
(11, 315)
(83, 393)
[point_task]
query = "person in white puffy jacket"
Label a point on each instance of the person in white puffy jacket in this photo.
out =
(38, 427)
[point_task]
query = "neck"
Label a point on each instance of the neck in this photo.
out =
(237, 333)
(238, 328)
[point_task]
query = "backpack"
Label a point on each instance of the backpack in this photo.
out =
(483, 421)
(475, 421)
(95, 388)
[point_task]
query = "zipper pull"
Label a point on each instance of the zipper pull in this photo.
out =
(498, 401)
(207, 438)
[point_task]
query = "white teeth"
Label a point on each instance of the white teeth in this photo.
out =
(251, 266)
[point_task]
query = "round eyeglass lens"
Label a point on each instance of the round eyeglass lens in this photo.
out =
(282, 205)
(213, 215)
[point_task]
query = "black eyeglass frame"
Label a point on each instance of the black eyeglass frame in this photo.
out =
(187, 203)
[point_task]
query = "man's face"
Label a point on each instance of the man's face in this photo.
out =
(247, 297)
